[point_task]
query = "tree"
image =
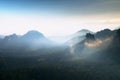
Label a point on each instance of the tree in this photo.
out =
(90, 36)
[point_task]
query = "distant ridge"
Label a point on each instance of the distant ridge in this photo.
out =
(33, 35)
(32, 39)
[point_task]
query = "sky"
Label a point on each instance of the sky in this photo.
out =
(58, 17)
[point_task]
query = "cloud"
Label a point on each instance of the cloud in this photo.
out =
(98, 43)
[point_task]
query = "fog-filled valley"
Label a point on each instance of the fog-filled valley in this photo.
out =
(85, 56)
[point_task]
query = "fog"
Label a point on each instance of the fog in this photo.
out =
(85, 56)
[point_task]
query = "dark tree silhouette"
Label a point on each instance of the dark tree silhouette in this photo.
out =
(90, 36)
(118, 33)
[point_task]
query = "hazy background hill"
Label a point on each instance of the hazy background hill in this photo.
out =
(86, 55)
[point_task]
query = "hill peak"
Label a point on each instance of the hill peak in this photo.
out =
(33, 35)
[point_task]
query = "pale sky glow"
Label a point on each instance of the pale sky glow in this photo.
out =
(53, 25)
(58, 17)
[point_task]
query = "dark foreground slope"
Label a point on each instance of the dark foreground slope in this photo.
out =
(91, 59)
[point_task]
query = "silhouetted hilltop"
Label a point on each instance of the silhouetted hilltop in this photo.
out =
(116, 39)
(102, 46)
(78, 37)
(82, 32)
(104, 34)
(30, 40)
(31, 35)
(10, 38)
(117, 34)
(90, 36)
(34, 38)
(90, 58)
(80, 41)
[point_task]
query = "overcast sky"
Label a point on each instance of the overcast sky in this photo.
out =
(58, 17)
